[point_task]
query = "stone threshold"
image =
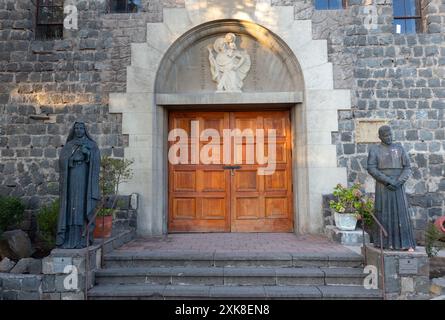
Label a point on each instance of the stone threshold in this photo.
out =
(138, 291)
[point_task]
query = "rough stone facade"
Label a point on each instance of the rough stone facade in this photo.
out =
(406, 274)
(20, 286)
(395, 77)
(50, 284)
(399, 78)
(65, 80)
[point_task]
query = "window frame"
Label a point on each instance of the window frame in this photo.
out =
(126, 7)
(415, 18)
(344, 5)
(38, 24)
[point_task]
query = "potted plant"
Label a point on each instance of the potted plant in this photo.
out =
(104, 223)
(112, 174)
(349, 206)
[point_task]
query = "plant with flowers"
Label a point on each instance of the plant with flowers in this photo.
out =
(353, 200)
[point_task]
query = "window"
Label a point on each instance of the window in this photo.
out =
(49, 21)
(329, 4)
(407, 16)
(124, 6)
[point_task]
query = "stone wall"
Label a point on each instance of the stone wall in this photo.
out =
(125, 215)
(46, 282)
(406, 273)
(57, 282)
(394, 77)
(47, 85)
(20, 286)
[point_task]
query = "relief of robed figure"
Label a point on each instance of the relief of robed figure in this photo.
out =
(79, 166)
(230, 65)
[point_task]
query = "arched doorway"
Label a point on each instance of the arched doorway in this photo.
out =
(232, 195)
(291, 71)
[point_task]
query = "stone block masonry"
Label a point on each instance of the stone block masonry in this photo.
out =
(47, 85)
(406, 273)
(57, 282)
(399, 78)
(20, 286)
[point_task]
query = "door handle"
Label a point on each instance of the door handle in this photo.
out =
(232, 169)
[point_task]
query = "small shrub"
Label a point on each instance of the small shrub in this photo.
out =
(113, 172)
(47, 223)
(366, 211)
(11, 212)
(103, 212)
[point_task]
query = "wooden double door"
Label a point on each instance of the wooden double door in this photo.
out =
(229, 194)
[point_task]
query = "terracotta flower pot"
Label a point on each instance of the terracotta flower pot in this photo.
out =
(103, 227)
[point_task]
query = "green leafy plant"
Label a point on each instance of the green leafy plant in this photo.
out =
(366, 211)
(348, 199)
(433, 243)
(113, 173)
(353, 200)
(47, 223)
(103, 212)
(11, 212)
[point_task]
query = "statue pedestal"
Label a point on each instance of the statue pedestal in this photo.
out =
(347, 238)
(406, 273)
(65, 272)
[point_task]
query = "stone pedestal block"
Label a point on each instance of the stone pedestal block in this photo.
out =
(406, 273)
(347, 238)
(65, 271)
(65, 276)
(438, 287)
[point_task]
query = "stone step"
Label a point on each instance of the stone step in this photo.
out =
(438, 286)
(223, 259)
(148, 291)
(231, 276)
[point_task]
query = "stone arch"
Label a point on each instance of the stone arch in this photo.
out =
(314, 115)
(267, 40)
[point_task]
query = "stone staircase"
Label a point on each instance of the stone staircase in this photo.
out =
(192, 275)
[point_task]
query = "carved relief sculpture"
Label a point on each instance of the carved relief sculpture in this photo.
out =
(230, 66)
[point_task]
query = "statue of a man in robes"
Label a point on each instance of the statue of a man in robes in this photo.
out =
(79, 165)
(389, 164)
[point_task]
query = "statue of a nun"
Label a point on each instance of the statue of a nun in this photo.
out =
(79, 165)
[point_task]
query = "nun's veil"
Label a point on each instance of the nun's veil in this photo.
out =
(71, 134)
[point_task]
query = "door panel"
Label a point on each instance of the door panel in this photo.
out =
(265, 205)
(202, 189)
(205, 197)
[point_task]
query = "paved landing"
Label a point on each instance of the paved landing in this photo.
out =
(237, 242)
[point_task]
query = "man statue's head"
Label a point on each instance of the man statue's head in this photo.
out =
(385, 134)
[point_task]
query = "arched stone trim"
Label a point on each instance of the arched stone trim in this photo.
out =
(263, 36)
(315, 170)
